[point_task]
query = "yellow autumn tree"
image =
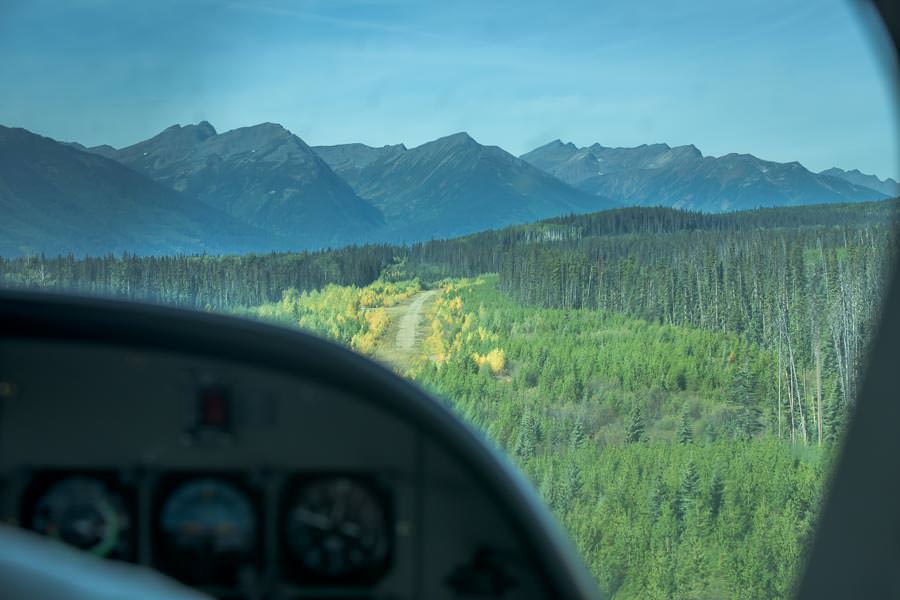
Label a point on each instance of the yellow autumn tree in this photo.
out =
(377, 320)
(495, 360)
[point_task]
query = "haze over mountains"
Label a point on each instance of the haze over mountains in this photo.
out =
(59, 200)
(453, 186)
(190, 189)
(262, 175)
(887, 186)
(682, 177)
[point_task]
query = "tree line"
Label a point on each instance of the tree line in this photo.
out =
(803, 281)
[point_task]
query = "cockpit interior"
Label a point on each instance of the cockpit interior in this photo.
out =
(291, 469)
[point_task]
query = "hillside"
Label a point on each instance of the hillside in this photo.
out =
(262, 175)
(681, 177)
(453, 186)
(640, 438)
(348, 160)
(888, 186)
(56, 199)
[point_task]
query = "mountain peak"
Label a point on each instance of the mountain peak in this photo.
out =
(688, 149)
(458, 141)
(888, 186)
(254, 137)
(460, 137)
(206, 128)
(268, 126)
(557, 148)
(198, 133)
(558, 143)
(264, 130)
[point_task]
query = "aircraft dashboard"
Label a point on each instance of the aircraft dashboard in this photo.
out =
(245, 481)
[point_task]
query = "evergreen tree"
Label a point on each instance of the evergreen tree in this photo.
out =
(687, 491)
(549, 490)
(577, 437)
(571, 486)
(527, 440)
(716, 494)
(656, 497)
(685, 433)
(747, 418)
(834, 415)
(636, 427)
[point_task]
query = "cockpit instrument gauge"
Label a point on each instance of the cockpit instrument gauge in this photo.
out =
(87, 513)
(337, 529)
(208, 530)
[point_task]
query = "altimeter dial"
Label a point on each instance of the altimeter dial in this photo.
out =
(337, 528)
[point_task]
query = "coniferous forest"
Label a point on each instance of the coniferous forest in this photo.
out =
(674, 384)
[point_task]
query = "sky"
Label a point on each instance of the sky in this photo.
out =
(782, 79)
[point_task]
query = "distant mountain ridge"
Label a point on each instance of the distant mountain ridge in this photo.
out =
(888, 186)
(56, 199)
(453, 186)
(682, 177)
(349, 159)
(190, 189)
(263, 175)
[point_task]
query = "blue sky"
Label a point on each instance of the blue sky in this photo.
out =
(782, 79)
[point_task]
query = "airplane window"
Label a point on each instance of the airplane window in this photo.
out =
(640, 247)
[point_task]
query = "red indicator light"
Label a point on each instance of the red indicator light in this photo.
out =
(213, 410)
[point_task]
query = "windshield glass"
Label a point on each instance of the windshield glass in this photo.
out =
(640, 246)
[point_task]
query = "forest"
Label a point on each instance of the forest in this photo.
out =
(673, 383)
(647, 440)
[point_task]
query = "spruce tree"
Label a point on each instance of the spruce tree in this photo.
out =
(657, 494)
(549, 491)
(834, 414)
(747, 412)
(526, 442)
(571, 486)
(577, 437)
(636, 431)
(685, 433)
(687, 491)
(716, 494)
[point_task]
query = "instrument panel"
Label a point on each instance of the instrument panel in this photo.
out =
(208, 529)
(242, 482)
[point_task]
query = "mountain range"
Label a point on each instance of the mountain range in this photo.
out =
(190, 189)
(887, 186)
(56, 199)
(453, 186)
(262, 175)
(682, 177)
